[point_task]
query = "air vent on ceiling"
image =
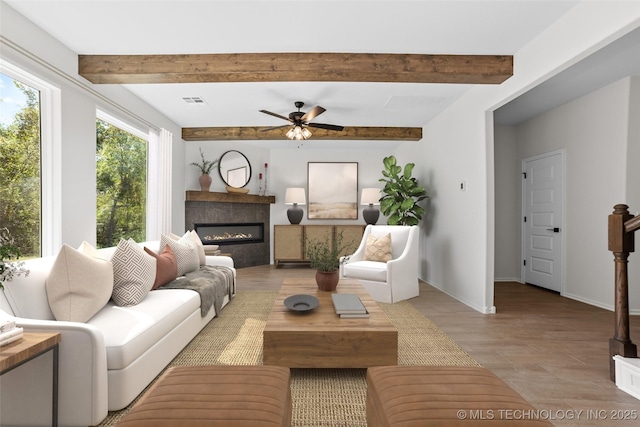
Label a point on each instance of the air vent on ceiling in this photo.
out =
(194, 100)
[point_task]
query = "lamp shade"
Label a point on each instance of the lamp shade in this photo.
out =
(295, 196)
(370, 196)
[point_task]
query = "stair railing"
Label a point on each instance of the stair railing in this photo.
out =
(622, 225)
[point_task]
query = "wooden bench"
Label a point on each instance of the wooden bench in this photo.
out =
(215, 396)
(434, 396)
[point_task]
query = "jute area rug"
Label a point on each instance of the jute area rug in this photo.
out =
(321, 397)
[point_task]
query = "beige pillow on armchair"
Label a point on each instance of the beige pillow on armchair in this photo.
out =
(378, 248)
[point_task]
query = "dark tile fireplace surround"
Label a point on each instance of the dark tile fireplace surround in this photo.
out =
(227, 219)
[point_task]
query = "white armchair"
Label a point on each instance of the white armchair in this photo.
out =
(395, 280)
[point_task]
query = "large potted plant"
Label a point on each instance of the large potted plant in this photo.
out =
(401, 194)
(324, 256)
(205, 167)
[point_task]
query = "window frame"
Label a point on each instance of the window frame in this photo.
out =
(151, 186)
(50, 155)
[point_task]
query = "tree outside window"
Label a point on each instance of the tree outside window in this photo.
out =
(121, 173)
(20, 155)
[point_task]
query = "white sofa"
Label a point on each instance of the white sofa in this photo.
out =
(105, 363)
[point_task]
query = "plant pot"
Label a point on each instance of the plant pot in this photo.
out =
(327, 281)
(205, 182)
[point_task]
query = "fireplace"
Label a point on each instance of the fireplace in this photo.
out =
(227, 234)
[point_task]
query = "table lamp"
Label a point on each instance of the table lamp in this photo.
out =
(370, 197)
(295, 196)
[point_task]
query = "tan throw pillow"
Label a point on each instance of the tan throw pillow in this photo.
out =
(78, 285)
(378, 248)
(166, 266)
(185, 253)
(134, 272)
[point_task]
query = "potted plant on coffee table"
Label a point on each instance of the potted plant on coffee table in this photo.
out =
(324, 256)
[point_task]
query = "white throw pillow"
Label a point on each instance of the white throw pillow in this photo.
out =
(193, 237)
(134, 272)
(184, 251)
(79, 284)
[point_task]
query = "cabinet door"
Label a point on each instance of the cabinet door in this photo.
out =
(287, 242)
(351, 237)
(318, 232)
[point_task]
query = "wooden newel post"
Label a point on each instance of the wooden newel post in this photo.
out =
(621, 244)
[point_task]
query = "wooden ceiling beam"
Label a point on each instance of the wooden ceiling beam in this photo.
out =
(295, 67)
(252, 133)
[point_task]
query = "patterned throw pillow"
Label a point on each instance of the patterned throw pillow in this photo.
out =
(185, 253)
(378, 248)
(79, 284)
(134, 272)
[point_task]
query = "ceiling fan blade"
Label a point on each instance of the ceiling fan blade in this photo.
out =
(276, 115)
(314, 112)
(325, 126)
(274, 128)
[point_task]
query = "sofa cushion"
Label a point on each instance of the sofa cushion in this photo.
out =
(134, 272)
(131, 331)
(166, 266)
(185, 252)
(79, 284)
(378, 248)
(366, 270)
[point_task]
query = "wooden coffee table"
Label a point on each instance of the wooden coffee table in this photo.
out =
(320, 338)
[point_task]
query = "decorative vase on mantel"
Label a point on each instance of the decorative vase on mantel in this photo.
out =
(205, 182)
(327, 281)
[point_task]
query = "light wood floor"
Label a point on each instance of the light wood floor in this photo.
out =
(551, 349)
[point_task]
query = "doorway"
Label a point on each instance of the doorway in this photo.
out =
(542, 226)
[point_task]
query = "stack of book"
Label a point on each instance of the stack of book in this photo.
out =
(349, 306)
(9, 332)
(212, 250)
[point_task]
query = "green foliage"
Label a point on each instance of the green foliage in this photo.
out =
(205, 166)
(20, 205)
(9, 254)
(401, 194)
(121, 175)
(324, 255)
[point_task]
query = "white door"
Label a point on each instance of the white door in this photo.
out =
(542, 222)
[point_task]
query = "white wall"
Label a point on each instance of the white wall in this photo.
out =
(459, 239)
(27, 46)
(508, 207)
(593, 130)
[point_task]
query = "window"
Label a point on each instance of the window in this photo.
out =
(20, 156)
(121, 175)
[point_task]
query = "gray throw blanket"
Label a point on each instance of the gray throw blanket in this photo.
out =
(211, 282)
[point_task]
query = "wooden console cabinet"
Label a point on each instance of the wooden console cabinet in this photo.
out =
(289, 241)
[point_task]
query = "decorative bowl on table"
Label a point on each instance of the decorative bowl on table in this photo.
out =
(301, 302)
(236, 190)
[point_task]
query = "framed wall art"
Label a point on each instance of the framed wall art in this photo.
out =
(332, 190)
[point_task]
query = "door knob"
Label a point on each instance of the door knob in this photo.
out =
(555, 229)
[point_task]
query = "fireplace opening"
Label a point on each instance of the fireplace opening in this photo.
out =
(226, 234)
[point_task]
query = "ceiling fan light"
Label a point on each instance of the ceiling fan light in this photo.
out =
(290, 134)
(306, 133)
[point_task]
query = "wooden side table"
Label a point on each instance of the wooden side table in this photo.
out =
(32, 345)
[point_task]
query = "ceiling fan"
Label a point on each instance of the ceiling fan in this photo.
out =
(300, 121)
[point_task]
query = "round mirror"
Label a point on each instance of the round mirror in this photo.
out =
(234, 169)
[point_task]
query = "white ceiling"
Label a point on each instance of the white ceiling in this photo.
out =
(174, 27)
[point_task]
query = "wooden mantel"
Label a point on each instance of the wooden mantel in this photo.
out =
(209, 196)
